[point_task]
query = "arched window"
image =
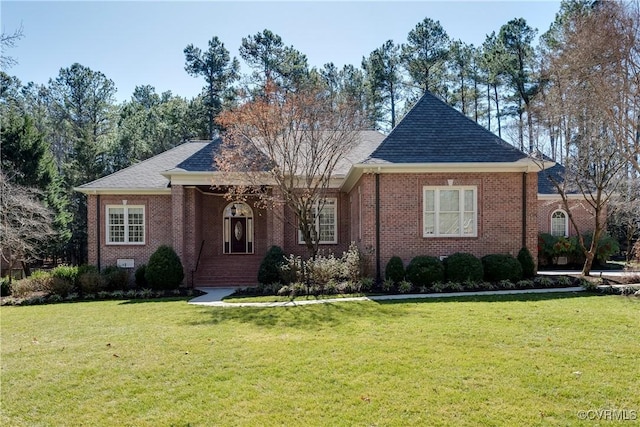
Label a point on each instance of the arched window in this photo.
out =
(238, 228)
(559, 223)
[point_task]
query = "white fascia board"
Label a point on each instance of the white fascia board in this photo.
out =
(524, 165)
(553, 197)
(123, 191)
(227, 178)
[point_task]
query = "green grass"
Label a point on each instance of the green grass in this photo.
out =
(507, 360)
(278, 298)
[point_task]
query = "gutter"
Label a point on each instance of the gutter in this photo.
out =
(378, 268)
(524, 209)
(98, 229)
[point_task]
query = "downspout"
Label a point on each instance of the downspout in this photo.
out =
(524, 209)
(378, 275)
(98, 227)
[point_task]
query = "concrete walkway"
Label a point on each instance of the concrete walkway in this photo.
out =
(214, 296)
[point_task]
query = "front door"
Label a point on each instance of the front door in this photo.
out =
(238, 235)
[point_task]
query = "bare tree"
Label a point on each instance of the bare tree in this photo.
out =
(7, 41)
(604, 42)
(25, 223)
(286, 147)
(582, 62)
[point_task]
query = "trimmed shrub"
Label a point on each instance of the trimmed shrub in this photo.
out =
(141, 280)
(91, 282)
(40, 279)
(60, 286)
(462, 267)
(394, 270)
(527, 263)
(23, 288)
(117, 278)
(5, 288)
(269, 271)
(499, 267)
(164, 270)
(424, 271)
(86, 268)
(66, 272)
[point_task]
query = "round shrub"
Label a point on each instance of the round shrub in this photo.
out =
(117, 278)
(164, 270)
(527, 263)
(91, 282)
(60, 286)
(141, 280)
(394, 270)
(499, 267)
(269, 271)
(5, 287)
(67, 273)
(462, 267)
(424, 271)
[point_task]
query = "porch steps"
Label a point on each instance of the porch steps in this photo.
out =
(228, 271)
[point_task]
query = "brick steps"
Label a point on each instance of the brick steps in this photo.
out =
(228, 271)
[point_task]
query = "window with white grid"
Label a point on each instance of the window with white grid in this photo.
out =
(125, 225)
(450, 211)
(559, 223)
(326, 222)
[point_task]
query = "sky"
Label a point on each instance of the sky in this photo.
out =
(141, 42)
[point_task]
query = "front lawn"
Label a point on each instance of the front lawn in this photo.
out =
(502, 360)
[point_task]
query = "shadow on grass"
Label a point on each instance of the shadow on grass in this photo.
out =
(334, 314)
(525, 297)
(156, 300)
(303, 316)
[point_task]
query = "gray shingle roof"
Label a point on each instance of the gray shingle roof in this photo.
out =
(147, 174)
(545, 184)
(201, 160)
(434, 132)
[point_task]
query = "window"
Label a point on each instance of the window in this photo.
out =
(125, 225)
(559, 223)
(326, 222)
(450, 212)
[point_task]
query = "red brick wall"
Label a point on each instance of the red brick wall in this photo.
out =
(581, 211)
(290, 229)
(401, 205)
(158, 229)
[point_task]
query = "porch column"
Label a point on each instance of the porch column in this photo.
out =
(177, 220)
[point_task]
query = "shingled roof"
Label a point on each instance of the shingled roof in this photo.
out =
(434, 132)
(146, 175)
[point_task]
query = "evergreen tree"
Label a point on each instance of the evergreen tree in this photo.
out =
(424, 56)
(383, 83)
(219, 72)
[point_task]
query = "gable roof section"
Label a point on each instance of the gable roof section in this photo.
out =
(145, 176)
(434, 132)
(201, 160)
(545, 183)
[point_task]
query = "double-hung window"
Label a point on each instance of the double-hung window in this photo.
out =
(125, 225)
(450, 211)
(326, 222)
(559, 223)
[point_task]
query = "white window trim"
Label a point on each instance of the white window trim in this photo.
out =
(329, 202)
(566, 223)
(126, 224)
(437, 190)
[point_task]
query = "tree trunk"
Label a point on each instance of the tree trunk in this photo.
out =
(495, 91)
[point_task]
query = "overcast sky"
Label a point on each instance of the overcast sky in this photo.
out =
(142, 42)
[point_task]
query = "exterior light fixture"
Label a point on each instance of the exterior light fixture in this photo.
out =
(234, 210)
